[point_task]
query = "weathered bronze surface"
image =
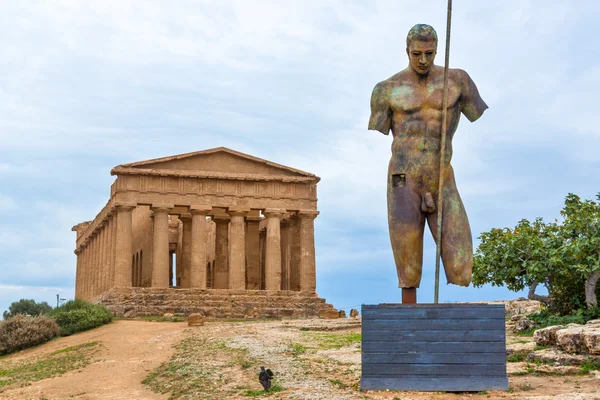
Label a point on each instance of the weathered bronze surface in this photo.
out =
(410, 105)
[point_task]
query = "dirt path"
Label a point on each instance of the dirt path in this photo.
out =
(129, 351)
(312, 359)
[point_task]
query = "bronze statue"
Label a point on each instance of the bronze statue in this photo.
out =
(410, 104)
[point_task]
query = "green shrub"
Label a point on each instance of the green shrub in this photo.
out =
(546, 318)
(20, 332)
(27, 307)
(77, 316)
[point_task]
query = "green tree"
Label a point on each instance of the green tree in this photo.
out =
(580, 249)
(564, 257)
(26, 307)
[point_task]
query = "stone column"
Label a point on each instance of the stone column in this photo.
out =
(221, 269)
(123, 245)
(96, 258)
(113, 251)
(86, 263)
(273, 249)
(253, 252)
(198, 252)
(103, 257)
(78, 272)
(109, 251)
(186, 249)
(295, 253)
(308, 272)
(237, 249)
(160, 245)
(285, 255)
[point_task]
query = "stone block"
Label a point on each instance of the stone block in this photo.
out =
(329, 314)
(570, 340)
(591, 339)
(353, 313)
(195, 320)
(547, 336)
(593, 323)
(524, 324)
(342, 314)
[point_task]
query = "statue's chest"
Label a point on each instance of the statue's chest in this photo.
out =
(409, 99)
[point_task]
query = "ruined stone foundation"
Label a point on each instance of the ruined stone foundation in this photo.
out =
(214, 303)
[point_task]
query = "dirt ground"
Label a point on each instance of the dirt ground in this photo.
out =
(305, 355)
(129, 351)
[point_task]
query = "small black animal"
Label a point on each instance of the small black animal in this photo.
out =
(265, 377)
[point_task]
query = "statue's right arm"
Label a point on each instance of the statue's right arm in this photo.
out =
(381, 113)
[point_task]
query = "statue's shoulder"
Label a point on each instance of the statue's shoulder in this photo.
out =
(459, 75)
(399, 79)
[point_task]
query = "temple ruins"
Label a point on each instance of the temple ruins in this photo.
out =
(216, 231)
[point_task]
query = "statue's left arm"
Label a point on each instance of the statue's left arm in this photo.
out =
(471, 104)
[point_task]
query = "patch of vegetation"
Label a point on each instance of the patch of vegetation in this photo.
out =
(539, 347)
(545, 318)
(17, 374)
(525, 388)
(275, 388)
(20, 332)
(590, 364)
(328, 341)
(298, 349)
(338, 383)
(199, 370)
(78, 315)
(27, 307)
(517, 356)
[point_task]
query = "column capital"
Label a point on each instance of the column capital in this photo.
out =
(201, 209)
(308, 214)
(274, 212)
(126, 206)
(185, 216)
(238, 211)
(161, 207)
(221, 218)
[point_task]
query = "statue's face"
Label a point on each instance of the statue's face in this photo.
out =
(421, 55)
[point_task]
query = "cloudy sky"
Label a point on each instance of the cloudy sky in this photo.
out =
(86, 86)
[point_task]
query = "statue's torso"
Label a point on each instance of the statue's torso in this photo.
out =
(416, 125)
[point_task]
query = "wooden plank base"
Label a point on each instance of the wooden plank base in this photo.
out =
(434, 347)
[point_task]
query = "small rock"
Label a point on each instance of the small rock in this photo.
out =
(555, 356)
(561, 369)
(591, 339)
(353, 313)
(570, 340)
(593, 323)
(168, 315)
(547, 336)
(342, 314)
(195, 320)
(524, 324)
(331, 313)
(130, 314)
(517, 317)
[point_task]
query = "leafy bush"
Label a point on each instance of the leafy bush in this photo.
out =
(545, 318)
(20, 332)
(27, 307)
(77, 316)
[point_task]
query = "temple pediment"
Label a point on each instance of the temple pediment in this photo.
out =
(213, 162)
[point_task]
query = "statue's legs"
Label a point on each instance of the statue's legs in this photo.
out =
(407, 225)
(457, 242)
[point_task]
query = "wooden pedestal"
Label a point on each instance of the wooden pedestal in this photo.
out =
(434, 347)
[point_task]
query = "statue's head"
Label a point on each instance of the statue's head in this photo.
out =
(421, 47)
